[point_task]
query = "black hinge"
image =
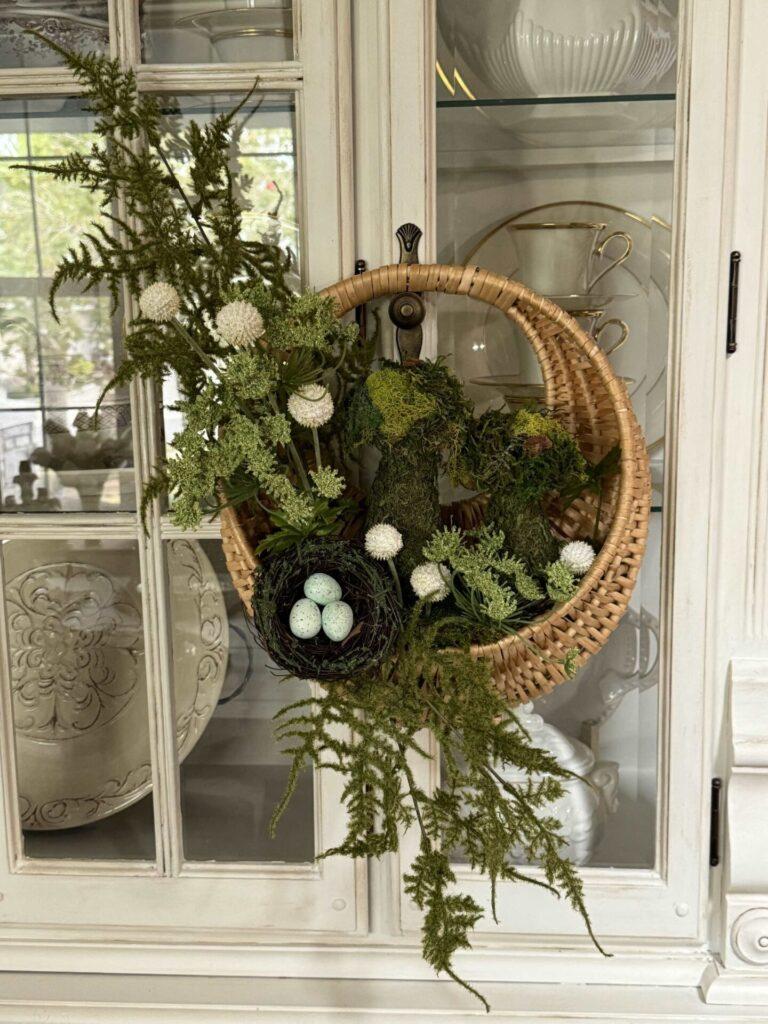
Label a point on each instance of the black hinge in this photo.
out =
(714, 823)
(733, 302)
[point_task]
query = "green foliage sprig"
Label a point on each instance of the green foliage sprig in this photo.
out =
(490, 586)
(369, 731)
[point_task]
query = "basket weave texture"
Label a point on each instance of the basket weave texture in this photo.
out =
(587, 397)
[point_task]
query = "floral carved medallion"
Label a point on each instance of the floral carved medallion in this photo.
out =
(79, 679)
(76, 648)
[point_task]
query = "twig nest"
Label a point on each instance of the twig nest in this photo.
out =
(159, 302)
(370, 599)
(578, 556)
(239, 323)
(305, 619)
(429, 581)
(338, 619)
(383, 541)
(311, 405)
(322, 588)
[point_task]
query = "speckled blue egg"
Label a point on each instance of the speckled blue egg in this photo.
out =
(322, 588)
(305, 619)
(338, 620)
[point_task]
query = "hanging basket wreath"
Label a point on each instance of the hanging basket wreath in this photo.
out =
(411, 625)
(586, 396)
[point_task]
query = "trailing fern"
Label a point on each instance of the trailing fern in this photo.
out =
(368, 730)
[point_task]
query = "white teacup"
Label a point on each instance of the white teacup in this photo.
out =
(564, 258)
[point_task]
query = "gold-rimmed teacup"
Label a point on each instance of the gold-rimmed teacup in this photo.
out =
(560, 257)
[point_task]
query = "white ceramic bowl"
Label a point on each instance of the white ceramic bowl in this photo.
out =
(563, 47)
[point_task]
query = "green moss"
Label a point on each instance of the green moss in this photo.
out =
(399, 401)
(525, 526)
(405, 494)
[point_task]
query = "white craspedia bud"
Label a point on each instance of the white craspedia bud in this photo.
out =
(159, 302)
(578, 556)
(383, 541)
(239, 323)
(429, 581)
(311, 405)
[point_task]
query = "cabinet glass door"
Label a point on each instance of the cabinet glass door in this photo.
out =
(136, 706)
(555, 138)
(557, 149)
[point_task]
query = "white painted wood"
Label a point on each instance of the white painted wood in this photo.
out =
(276, 920)
(740, 622)
(741, 975)
(325, 956)
(142, 1000)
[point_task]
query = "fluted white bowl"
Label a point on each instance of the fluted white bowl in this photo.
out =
(563, 47)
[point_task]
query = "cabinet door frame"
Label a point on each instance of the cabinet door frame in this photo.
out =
(662, 908)
(61, 903)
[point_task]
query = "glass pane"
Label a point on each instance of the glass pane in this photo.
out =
(264, 153)
(563, 179)
(52, 453)
(74, 24)
(232, 772)
(216, 31)
(78, 689)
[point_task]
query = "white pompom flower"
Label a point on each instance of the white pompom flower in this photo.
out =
(429, 581)
(311, 405)
(383, 541)
(159, 302)
(578, 556)
(239, 323)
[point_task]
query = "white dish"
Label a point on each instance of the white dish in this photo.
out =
(563, 48)
(262, 31)
(78, 679)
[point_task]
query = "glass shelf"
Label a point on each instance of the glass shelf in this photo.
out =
(527, 101)
(593, 126)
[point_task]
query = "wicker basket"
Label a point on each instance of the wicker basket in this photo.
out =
(592, 403)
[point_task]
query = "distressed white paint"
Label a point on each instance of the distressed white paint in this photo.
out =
(277, 921)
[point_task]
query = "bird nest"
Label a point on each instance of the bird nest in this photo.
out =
(366, 587)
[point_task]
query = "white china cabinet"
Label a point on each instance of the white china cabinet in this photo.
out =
(612, 154)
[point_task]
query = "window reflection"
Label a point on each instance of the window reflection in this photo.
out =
(53, 454)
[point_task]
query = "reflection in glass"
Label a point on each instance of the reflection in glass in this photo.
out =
(264, 155)
(235, 775)
(79, 699)
(216, 31)
(52, 454)
(569, 190)
(74, 24)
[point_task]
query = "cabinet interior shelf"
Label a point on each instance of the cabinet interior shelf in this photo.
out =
(528, 101)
